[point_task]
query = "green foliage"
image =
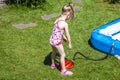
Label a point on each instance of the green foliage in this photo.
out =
(28, 3)
(113, 1)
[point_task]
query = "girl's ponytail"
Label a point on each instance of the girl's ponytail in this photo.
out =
(68, 8)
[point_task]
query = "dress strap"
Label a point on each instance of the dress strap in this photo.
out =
(56, 23)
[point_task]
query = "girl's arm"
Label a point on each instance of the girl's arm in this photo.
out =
(65, 38)
(68, 36)
(64, 25)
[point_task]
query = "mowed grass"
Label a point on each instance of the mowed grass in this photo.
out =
(23, 51)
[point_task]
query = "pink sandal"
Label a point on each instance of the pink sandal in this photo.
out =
(66, 72)
(52, 66)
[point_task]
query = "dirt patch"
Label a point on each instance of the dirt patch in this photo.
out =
(22, 26)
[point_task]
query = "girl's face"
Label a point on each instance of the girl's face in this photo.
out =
(68, 16)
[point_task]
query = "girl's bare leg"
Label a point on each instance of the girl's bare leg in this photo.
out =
(62, 60)
(54, 51)
(62, 56)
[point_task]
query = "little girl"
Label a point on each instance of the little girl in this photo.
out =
(60, 26)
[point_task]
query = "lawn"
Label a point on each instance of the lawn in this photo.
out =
(23, 51)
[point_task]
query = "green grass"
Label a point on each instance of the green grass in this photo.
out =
(23, 51)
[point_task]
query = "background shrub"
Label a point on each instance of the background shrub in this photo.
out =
(28, 3)
(113, 1)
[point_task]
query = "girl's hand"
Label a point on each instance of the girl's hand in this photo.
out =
(69, 46)
(65, 38)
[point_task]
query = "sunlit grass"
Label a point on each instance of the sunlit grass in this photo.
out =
(23, 51)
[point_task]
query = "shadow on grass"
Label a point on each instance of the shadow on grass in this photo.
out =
(47, 60)
(90, 44)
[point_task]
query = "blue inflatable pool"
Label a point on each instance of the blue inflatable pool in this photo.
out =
(106, 38)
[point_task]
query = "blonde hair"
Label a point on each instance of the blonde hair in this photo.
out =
(68, 8)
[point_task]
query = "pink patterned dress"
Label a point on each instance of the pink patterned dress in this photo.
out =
(57, 34)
